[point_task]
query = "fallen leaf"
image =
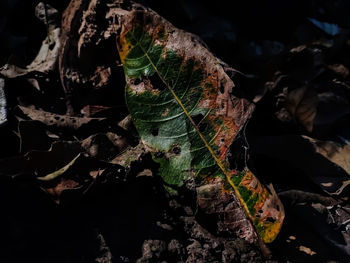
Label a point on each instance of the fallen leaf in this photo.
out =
(94, 110)
(340, 70)
(180, 101)
(301, 104)
(302, 157)
(129, 155)
(105, 146)
(46, 59)
(59, 172)
(78, 175)
(40, 163)
(53, 119)
(334, 152)
(56, 191)
(307, 250)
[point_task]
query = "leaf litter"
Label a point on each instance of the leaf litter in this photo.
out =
(297, 137)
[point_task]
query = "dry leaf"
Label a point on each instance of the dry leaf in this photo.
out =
(52, 119)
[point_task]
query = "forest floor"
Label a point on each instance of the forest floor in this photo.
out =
(293, 60)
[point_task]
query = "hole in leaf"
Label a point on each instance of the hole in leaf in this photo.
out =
(202, 126)
(176, 150)
(197, 118)
(260, 211)
(155, 131)
(237, 153)
(157, 82)
(137, 81)
(222, 89)
(57, 118)
(270, 219)
(62, 120)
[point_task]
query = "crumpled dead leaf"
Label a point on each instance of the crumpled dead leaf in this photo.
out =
(129, 155)
(46, 59)
(52, 119)
(55, 174)
(337, 154)
(78, 175)
(299, 104)
(40, 163)
(302, 157)
(105, 146)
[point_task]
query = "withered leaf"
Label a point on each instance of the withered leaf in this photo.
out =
(301, 104)
(46, 59)
(52, 119)
(337, 154)
(179, 97)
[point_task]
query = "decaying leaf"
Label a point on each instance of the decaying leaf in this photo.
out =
(180, 100)
(46, 59)
(94, 110)
(77, 175)
(300, 104)
(335, 153)
(59, 172)
(129, 155)
(64, 184)
(57, 120)
(40, 163)
(302, 158)
(104, 146)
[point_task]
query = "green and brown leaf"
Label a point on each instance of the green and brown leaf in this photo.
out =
(180, 100)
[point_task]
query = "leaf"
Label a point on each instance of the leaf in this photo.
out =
(333, 151)
(105, 146)
(53, 119)
(180, 101)
(59, 172)
(77, 176)
(301, 104)
(129, 155)
(46, 59)
(40, 163)
(302, 160)
(338, 155)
